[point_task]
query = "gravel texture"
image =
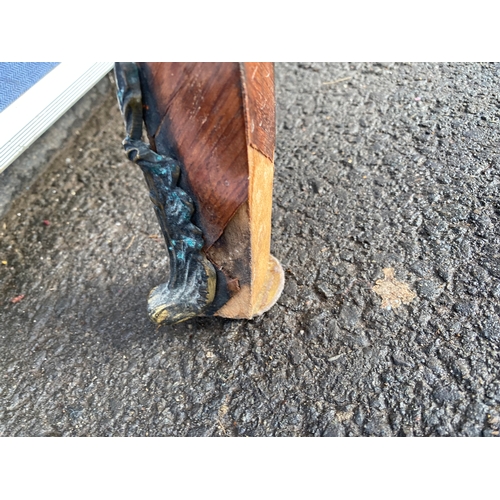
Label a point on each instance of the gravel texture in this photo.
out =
(377, 166)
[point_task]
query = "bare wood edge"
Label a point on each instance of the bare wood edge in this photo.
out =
(267, 276)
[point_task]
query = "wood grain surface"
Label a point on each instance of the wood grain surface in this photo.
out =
(196, 110)
(219, 120)
(245, 245)
(260, 110)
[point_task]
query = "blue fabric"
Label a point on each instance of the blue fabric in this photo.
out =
(17, 77)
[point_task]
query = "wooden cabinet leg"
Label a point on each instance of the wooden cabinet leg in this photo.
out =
(209, 166)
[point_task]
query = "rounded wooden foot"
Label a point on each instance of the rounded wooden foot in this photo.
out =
(247, 303)
(271, 292)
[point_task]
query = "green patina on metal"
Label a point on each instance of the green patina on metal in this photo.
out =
(191, 288)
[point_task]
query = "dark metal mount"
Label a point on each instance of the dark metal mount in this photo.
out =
(191, 287)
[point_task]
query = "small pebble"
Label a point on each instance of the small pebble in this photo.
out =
(17, 299)
(428, 289)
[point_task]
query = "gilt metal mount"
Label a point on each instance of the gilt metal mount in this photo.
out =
(191, 287)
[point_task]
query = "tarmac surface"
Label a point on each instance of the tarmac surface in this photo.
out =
(378, 166)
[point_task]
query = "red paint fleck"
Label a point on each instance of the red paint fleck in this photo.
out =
(17, 299)
(46, 223)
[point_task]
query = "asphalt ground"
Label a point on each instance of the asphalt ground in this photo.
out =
(378, 166)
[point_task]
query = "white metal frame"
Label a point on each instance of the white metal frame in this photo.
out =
(27, 118)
